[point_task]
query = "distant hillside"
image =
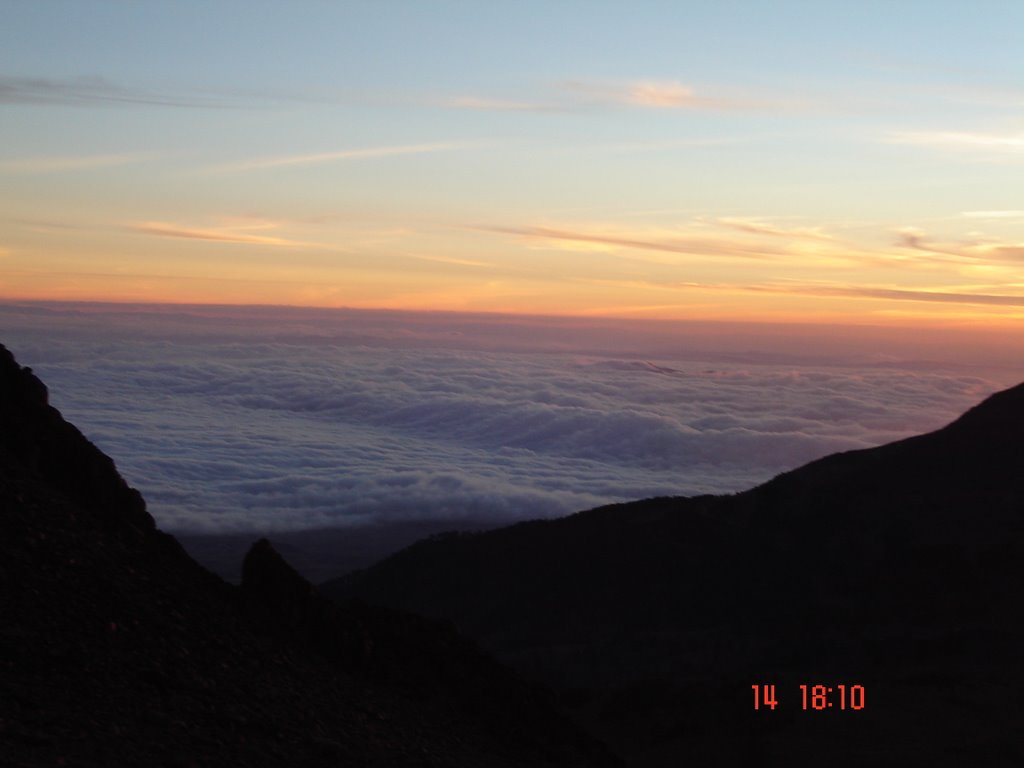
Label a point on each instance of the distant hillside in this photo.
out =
(900, 568)
(116, 649)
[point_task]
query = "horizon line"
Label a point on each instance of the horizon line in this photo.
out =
(930, 323)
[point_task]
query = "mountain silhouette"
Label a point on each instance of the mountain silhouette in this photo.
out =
(116, 649)
(898, 568)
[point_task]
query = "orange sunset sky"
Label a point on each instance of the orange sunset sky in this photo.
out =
(784, 162)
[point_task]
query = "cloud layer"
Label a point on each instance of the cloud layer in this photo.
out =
(241, 426)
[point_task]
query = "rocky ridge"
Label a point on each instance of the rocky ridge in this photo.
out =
(898, 567)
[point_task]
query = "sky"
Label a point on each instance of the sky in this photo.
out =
(784, 162)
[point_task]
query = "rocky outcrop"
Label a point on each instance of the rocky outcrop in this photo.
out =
(36, 438)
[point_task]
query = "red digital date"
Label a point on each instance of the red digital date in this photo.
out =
(814, 697)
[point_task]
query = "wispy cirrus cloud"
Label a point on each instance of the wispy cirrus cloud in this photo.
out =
(897, 294)
(645, 93)
(973, 295)
(754, 238)
(765, 227)
(1013, 252)
(84, 91)
(318, 158)
(917, 240)
(450, 260)
(686, 245)
(784, 243)
(972, 250)
(677, 95)
(226, 233)
(577, 95)
(56, 164)
(1011, 143)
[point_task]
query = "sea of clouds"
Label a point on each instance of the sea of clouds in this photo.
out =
(233, 420)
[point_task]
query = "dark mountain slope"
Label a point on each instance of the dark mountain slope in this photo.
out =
(117, 649)
(900, 567)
